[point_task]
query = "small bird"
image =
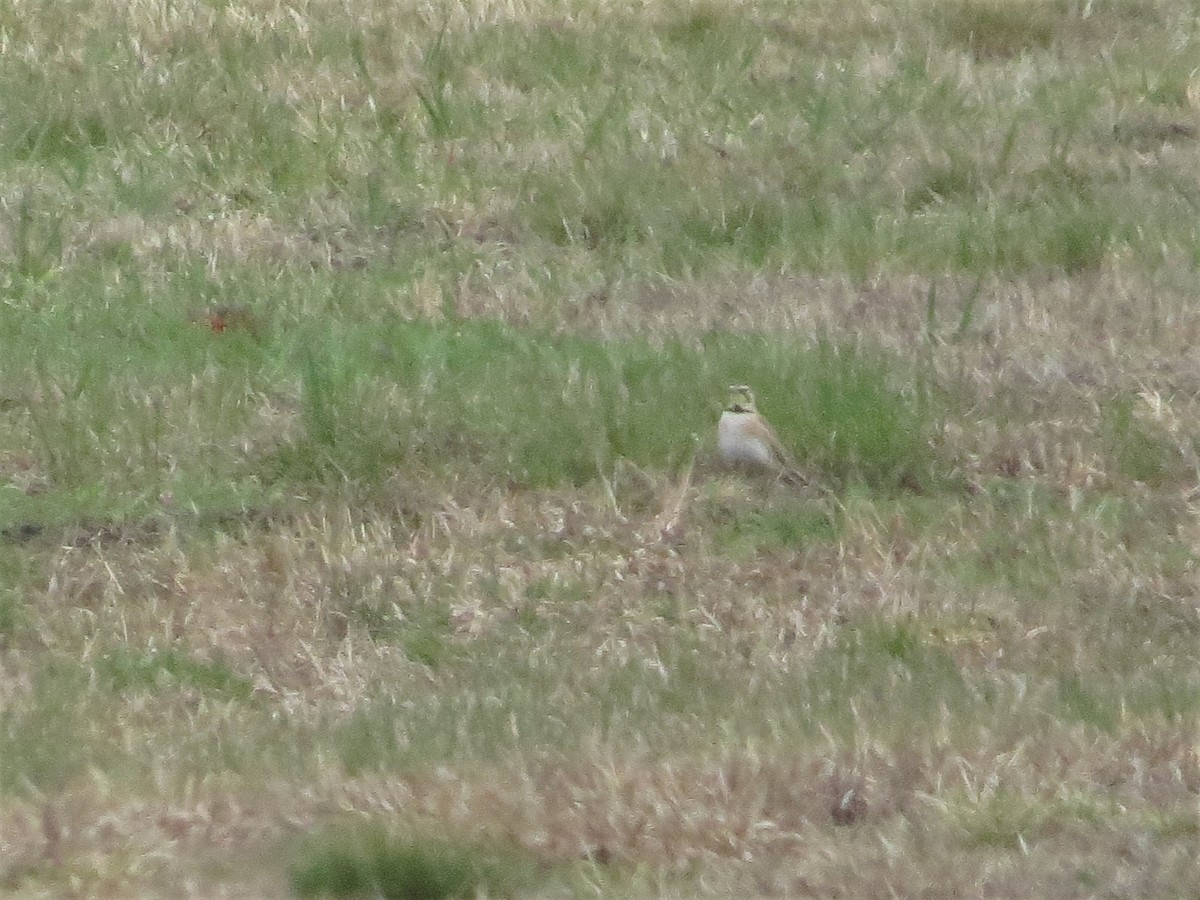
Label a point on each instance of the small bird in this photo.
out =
(745, 438)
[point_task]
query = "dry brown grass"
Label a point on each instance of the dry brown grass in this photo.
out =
(936, 811)
(661, 682)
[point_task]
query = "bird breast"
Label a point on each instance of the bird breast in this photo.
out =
(738, 439)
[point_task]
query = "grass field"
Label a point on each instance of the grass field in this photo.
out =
(360, 527)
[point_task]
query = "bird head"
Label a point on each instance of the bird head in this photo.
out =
(741, 398)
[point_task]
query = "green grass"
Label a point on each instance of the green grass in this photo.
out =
(639, 181)
(1006, 821)
(358, 389)
(784, 525)
(875, 664)
(124, 670)
(367, 863)
(367, 402)
(47, 744)
(1140, 450)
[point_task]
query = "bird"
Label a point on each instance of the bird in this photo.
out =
(746, 439)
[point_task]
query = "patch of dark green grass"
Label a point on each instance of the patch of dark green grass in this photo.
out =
(955, 181)
(514, 691)
(19, 569)
(1009, 821)
(1083, 705)
(441, 63)
(44, 738)
(752, 228)
(1078, 238)
(12, 615)
(427, 645)
(869, 422)
(118, 514)
(1173, 695)
(1000, 30)
(1138, 450)
(1071, 235)
(347, 431)
(1143, 677)
(369, 739)
(551, 56)
(1027, 553)
(776, 526)
(37, 239)
(589, 208)
(701, 23)
(881, 665)
(366, 599)
(124, 669)
(64, 136)
(371, 863)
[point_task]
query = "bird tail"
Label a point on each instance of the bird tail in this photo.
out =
(794, 478)
(797, 480)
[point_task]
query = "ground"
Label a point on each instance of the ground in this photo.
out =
(361, 531)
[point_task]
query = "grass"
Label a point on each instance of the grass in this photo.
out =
(372, 865)
(370, 400)
(124, 671)
(357, 478)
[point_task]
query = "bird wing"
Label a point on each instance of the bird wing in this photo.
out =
(790, 472)
(762, 428)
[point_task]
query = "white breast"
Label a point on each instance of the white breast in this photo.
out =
(737, 442)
